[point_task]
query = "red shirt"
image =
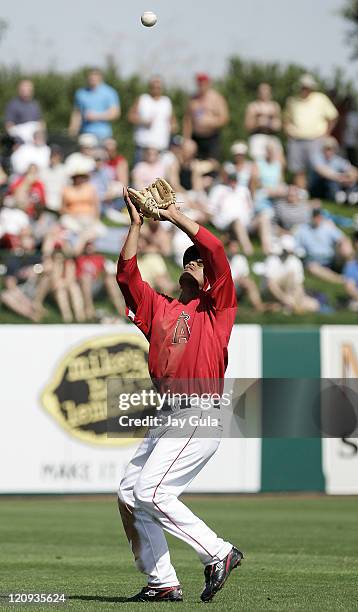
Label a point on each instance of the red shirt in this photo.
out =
(186, 341)
(93, 265)
(113, 163)
(36, 194)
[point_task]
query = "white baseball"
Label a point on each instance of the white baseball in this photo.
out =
(148, 19)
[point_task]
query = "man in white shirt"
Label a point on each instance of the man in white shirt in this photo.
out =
(231, 208)
(153, 118)
(240, 273)
(27, 154)
(54, 179)
(285, 277)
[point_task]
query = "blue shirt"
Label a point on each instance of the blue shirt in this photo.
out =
(100, 99)
(335, 163)
(350, 271)
(319, 242)
(269, 173)
(101, 178)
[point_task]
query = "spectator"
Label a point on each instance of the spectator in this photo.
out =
(350, 131)
(232, 209)
(23, 267)
(109, 191)
(205, 116)
(350, 274)
(170, 157)
(342, 106)
(66, 289)
(92, 273)
(188, 176)
(156, 238)
(36, 152)
(244, 167)
(284, 275)
(245, 285)
(151, 263)
(263, 122)
(332, 176)
(87, 144)
(54, 178)
(12, 223)
(309, 117)
(269, 171)
(95, 107)
(293, 209)
(116, 162)
(28, 192)
(146, 171)
(80, 204)
(23, 116)
(267, 179)
(324, 244)
(153, 118)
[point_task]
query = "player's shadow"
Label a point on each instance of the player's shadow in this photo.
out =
(99, 598)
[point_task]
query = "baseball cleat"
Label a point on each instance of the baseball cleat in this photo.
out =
(155, 594)
(217, 573)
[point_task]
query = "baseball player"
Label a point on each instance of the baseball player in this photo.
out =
(188, 339)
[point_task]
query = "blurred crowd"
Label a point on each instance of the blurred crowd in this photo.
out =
(63, 218)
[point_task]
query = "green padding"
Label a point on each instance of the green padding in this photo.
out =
(291, 464)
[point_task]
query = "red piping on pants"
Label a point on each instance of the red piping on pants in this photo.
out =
(162, 511)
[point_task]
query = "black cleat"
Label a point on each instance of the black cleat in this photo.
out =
(156, 594)
(217, 573)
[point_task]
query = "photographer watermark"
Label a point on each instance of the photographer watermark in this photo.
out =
(240, 408)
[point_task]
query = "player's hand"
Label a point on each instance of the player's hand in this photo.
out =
(169, 214)
(135, 217)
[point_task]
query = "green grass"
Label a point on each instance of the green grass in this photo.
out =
(300, 553)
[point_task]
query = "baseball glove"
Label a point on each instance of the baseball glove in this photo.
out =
(151, 200)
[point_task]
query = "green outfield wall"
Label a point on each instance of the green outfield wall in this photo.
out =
(289, 463)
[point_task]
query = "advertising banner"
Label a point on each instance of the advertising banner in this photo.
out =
(54, 409)
(339, 359)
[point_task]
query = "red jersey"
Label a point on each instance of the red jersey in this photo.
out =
(186, 341)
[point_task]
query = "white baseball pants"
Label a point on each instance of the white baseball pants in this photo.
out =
(159, 472)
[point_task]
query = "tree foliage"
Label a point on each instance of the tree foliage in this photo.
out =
(350, 13)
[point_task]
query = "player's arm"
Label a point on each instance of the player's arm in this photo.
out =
(128, 276)
(210, 247)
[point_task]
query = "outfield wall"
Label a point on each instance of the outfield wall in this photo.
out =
(54, 401)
